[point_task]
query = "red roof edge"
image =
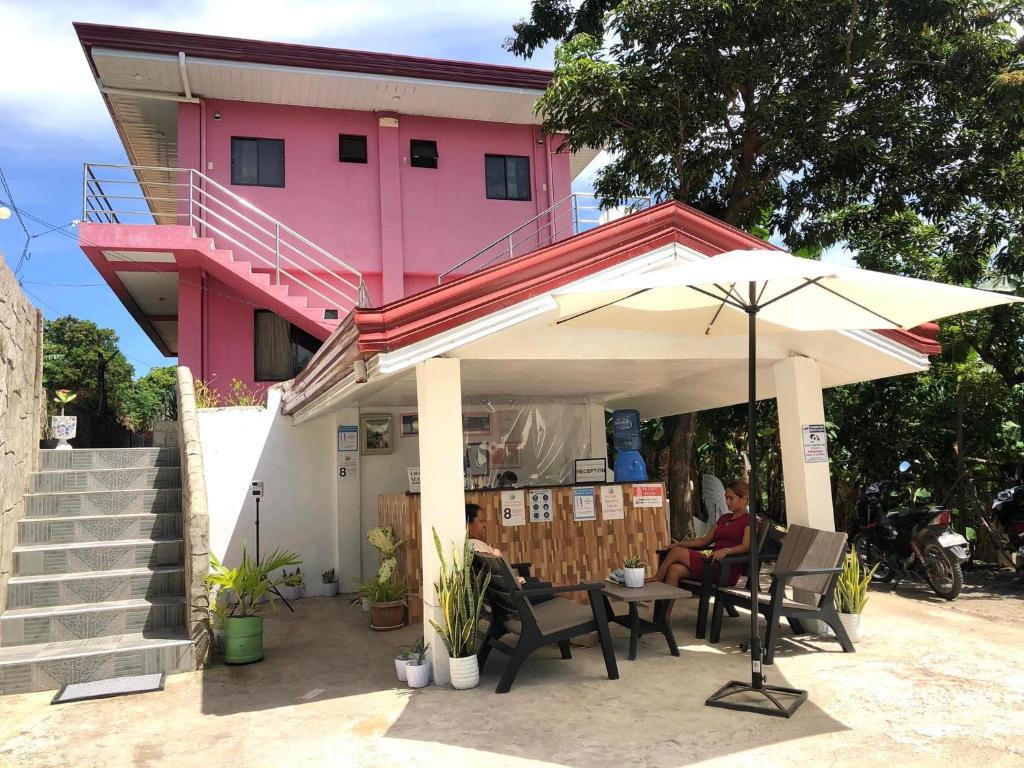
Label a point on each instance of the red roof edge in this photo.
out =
(309, 56)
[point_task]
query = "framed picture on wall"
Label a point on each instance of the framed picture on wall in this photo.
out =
(376, 433)
(410, 425)
(476, 423)
(504, 455)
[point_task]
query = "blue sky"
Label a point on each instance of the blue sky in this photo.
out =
(52, 119)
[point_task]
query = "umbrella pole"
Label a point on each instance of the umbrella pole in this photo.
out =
(767, 699)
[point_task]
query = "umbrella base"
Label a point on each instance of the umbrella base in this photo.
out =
(774, 700)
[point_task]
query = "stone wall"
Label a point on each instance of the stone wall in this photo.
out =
(194, 519)
(21, 409)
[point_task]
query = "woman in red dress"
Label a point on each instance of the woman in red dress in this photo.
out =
(730, 536)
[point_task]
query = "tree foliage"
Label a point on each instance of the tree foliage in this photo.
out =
(152, 397)
(72, 350)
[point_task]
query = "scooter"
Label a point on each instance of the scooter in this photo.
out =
(902, 540)
(1008, 509)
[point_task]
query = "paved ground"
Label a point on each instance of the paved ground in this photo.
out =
(931, 684)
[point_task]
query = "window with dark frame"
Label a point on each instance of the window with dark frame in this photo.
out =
(257, 162)
(351, 149)
(280, 349)
(423, 153)
(507, 177)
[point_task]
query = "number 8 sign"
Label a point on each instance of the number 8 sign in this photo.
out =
(513, 508)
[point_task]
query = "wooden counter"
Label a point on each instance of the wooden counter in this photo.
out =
(563, 551)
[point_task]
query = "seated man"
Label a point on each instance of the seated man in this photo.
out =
(476, 530)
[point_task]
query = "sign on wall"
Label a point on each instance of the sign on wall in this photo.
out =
(513, 508)
(612, 507)
(815, 443)
(540, 505)
(349, 465)
(583, 504)
(348, 437)
(591, 471)
(648, 495)
(413, 473)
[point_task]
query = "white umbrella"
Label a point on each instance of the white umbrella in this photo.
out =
(765, 291)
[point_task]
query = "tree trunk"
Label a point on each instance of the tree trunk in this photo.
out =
(679, 433)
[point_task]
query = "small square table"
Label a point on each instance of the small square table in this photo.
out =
(664, 598)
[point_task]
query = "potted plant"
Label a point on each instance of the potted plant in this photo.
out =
(387, 543)
(330, 583)
(387, 603)
(851, 593)
(218, 622)
(460, 595)
(295, 585)
(248, 586)
(417, 669)
(635, 570)
(63, 427)
(401, 659)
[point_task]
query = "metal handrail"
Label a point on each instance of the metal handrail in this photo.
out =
(199, 196)
(552, 221)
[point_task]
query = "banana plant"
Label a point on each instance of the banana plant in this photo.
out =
(460, 595)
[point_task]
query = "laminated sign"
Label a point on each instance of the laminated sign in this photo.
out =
(612, 507)
(540, 505)
(648, 495)
(583, 507)
(513, 508)
(815, 444)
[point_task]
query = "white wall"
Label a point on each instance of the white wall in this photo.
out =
(297, 467)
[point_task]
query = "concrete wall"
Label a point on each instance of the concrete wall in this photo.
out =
(297, 467)
(21, 410)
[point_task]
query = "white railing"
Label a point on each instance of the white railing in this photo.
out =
(571, 215)
(126, 194)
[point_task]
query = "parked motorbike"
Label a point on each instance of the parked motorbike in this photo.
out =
(905, 540)
(1008, 509)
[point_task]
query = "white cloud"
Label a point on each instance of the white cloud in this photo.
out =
(48, 86)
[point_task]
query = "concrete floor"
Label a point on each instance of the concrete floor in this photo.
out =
(932, 683)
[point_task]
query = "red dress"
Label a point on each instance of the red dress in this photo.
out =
(728, 533)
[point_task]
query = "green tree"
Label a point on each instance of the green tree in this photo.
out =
(826, 121)
(152, 397)
(74, 353)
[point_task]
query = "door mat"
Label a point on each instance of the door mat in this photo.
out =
(115, 686)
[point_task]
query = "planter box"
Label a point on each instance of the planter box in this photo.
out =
(385, 617)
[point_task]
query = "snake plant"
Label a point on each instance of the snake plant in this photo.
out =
(852, 585)
(634, 561)
(460, 595)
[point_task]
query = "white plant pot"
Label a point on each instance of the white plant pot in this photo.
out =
(851, 623)
(634, 576)
(64, 428)
(329, 590)
(218, 641)
(419, 675)
(464, 672)
(291, 593)
(366, 604)
(401, 665)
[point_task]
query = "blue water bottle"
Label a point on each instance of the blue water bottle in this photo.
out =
(629, 464)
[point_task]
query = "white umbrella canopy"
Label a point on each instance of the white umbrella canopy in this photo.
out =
(746, 293)
(793, 294)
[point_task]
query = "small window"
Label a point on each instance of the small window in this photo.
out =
(507, 177)
(257, 162)
(423, 154)
(352, 149)
(282, 350)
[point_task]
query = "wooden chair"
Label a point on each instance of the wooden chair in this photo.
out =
(705, 587)
(534, 626)
(809, 560)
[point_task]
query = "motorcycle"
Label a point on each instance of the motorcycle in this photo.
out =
(1008, 509)
(902, 540)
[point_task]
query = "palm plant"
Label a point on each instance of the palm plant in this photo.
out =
(460, 594)
(253, 580)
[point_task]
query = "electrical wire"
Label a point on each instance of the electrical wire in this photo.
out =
(25, 255)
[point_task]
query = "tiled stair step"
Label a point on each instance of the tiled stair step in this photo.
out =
(95, 587)
(106, 479)
(107, 458)
(83, 528)
(67, 504)
(47, 559)
(27, 626)
(49, 666)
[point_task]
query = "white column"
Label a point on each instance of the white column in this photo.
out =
(350, 528)
(442, 497)
(808, 486)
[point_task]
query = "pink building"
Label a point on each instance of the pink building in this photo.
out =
(273, 188)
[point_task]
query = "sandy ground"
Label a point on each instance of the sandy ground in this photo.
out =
(932, 683)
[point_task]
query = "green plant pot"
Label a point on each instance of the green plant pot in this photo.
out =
(243, 640)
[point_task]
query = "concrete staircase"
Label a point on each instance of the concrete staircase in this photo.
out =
(98, 587)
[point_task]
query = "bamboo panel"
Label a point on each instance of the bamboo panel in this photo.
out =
(563, 551)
